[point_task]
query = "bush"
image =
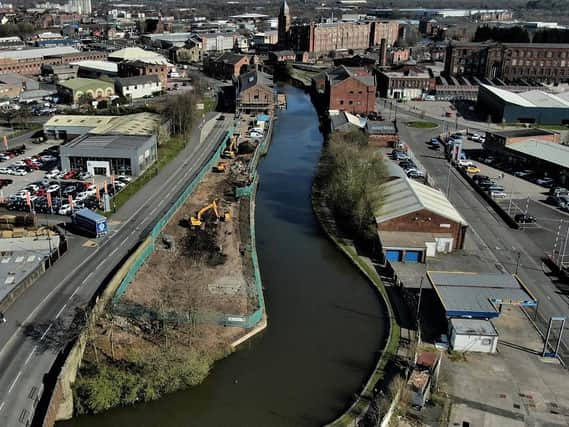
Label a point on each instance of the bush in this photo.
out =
(148, 377)
(353, 173)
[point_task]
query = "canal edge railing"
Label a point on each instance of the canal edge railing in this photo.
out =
(359, 407)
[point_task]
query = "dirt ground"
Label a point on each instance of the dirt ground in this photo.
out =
(194, 275)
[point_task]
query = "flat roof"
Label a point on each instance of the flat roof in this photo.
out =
(473, 327)
(529, 99)
(130, 124)
(515, 133)
(37, 53)
(552, 152)
(111, 67)
(477, 295)
(107, 142)
(84, 84)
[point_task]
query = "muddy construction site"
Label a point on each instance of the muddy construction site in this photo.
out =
(200, 271)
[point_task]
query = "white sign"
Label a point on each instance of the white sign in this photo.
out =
(199, 106)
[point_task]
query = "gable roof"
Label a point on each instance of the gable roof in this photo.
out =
(402, 196)
(339, 74)
(230, 58)
(253, 78)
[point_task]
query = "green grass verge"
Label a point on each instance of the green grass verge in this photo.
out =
(422, 125)
(166, 152)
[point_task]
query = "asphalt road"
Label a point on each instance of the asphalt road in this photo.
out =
(502, 243)
(38, 325)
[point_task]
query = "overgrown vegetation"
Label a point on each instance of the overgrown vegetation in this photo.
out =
(102, 386)
(353, 172)
(422, 125)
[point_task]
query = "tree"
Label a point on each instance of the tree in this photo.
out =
(180, 110)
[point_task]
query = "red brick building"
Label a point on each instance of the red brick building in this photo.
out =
(547, 62)
(405, 82)
(326, 37)
(227, 65)
(140, 68)
(29, 62)
(255, 93)
(350, 89)
(415, 221)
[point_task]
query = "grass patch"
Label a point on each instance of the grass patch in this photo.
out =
(422, 125)
(166, 152)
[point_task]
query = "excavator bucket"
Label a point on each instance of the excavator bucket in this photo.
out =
(195, 222)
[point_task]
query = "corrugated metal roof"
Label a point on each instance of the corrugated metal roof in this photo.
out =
(532, 98)
(111, 67)
(138, 54)
(79, 120)
(551, 152)
(402, 196)
(38, 53)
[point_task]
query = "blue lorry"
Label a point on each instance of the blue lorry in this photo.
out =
(90, 223)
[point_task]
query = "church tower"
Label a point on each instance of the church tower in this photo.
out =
(284, 23)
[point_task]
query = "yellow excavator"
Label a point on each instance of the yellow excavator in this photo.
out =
(220, 167)
(231, 151)
(196, 221)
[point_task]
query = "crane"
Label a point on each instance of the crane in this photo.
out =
(196, 221)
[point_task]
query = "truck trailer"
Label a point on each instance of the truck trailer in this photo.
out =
(90, 223)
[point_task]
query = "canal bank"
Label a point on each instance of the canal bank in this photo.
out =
(326, 322)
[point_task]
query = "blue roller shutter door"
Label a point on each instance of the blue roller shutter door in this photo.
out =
(394, 255)
(413, 256)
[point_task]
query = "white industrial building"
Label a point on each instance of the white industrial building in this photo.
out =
(138, 86)
(473, 335)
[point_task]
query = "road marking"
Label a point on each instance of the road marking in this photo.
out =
(122, 242)
(30, 355)
(14, 382)
(2, 406)
(87, 278)
(114, 251)
(74, 292)
(46, 331)
(60, 310)
(153, 211)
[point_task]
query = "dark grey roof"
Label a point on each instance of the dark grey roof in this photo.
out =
(138, 80)
(107, 142)
(229, 58)
(380, 128)
(340, 122)
(477, 295)
(341, 73)
(516, 133)
(253, 78)
(283, 53)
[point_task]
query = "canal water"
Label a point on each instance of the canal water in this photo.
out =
(326, 323)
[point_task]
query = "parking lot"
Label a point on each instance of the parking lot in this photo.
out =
(32, 180)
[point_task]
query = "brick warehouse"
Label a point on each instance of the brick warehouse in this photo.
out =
(415, 221)
(509, 61)
(326, 37)
(350, 89)
(29, 62)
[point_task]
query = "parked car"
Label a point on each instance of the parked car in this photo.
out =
(399, 155)
(478, 177)
(84, 175)
(523, 173)
(19, 172)
(6, 171)
(497, 194)
(558, 202)
(124, 178)
(558, 191)
(545, 182)
(415, 174)
(65, 209)
(70, 175)
(524, 218)
(488, 160)
(472, 169)
(465, 163)
(53, 188)
(52, 174)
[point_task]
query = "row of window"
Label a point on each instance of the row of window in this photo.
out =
(537, 53)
